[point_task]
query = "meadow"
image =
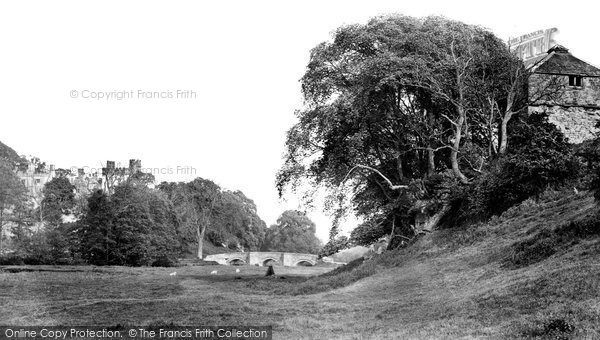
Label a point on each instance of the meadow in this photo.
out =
(469, 283)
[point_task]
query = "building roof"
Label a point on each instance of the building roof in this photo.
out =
(560, 61)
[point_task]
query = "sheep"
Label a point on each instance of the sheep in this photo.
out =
(214, 272)
(173, 273)
(237, 270)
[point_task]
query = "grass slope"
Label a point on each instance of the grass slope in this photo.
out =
(468, 283)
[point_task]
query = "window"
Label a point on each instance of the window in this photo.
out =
(575, 81)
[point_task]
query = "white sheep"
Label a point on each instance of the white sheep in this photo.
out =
(214, 272)
(173, 273)
(237, 270)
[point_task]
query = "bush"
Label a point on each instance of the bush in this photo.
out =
(556, 328)
(165, 261)
(589, 152)
(11, 260)
(540, 157)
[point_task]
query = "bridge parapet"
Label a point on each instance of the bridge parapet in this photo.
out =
(262, 258)
(294, 259)
(227, 258)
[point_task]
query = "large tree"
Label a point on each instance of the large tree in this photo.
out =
(391, 104)
(206, 212)
(237, 225)
(196, 205)
(135, 225)
(293, 232)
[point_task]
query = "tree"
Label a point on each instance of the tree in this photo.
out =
(12, 195)
(390, 104)
(293, 232)
(206, 212)
(334, 246)
(136, 226)
(540, 157)
(59, 200)
(196, 205)
(97, 229)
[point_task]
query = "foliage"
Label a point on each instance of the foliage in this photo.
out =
(589, 151)
(237, 224)
(390, 104)
(12, 198)
(59, 199)
(334, 246)
(294, 232)
(134, 226)
(230, 218)
(195, 205)
(540, 157)
(9, 156)
(165, 261)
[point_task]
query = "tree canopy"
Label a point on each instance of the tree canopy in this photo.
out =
(393, 107)
(223, 217)
(293, 232)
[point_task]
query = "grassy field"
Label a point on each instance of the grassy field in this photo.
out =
(469, 283)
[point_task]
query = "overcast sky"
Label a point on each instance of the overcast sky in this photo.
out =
(243, 60)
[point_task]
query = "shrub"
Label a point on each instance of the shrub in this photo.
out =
(165, 261)
(556, 328)
(11, 260)
(540, 157)
(333, 246)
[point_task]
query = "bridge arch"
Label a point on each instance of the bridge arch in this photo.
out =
(236, 262)
(269, 261)
(305, 263)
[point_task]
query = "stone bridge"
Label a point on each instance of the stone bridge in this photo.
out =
(264, 258)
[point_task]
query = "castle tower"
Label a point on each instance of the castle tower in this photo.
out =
(135, 165)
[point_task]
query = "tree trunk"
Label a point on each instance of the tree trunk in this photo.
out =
(392, 235)
(200, 232)
(1, 227)
(456, 146)
(399, 168)
(430, 152)
(503, 133)
(430, 162)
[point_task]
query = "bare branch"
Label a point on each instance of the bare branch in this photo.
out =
(387, 180)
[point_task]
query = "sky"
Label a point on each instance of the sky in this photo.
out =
(201, 88)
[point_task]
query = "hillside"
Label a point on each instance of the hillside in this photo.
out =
(511, 277)
(8, 154)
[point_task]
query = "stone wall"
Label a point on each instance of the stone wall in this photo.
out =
(292, 259)
(577, 123)
(228, 257)
(555, 90)
(260, 257)
(574, 110)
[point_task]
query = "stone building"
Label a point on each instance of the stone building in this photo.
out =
(560, 84)
(34, 178)
(568, 89)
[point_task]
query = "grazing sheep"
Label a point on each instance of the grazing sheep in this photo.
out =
(237, 270)
(173, 273)
(214, 272)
